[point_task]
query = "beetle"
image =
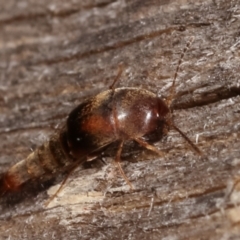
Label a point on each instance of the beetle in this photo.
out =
(115, 115)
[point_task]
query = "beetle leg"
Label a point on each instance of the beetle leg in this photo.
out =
(149, 146)
(118, 163)
(120, 70)
(62, 184)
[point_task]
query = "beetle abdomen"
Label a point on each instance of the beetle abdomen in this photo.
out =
(48, 159)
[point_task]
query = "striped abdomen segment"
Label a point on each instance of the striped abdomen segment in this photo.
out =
(48, 159)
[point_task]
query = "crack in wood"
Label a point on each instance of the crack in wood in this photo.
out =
(206, 98)
(114, 46)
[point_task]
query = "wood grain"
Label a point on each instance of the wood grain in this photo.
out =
(54, 54)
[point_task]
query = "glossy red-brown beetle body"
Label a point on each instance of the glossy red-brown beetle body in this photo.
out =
(119, 115)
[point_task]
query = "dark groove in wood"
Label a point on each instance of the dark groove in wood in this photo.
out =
(61, 14)
(208, 98)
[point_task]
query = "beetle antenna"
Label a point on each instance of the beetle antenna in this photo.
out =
(173, 88)
(195, 148)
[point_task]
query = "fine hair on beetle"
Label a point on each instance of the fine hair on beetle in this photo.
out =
(116, 115)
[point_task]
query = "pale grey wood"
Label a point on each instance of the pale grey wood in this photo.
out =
(54, 54)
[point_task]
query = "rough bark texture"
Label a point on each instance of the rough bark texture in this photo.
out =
(54, 54)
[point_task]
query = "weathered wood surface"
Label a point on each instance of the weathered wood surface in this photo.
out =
(54, 54)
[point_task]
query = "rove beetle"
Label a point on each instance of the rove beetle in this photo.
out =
(115, 115)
